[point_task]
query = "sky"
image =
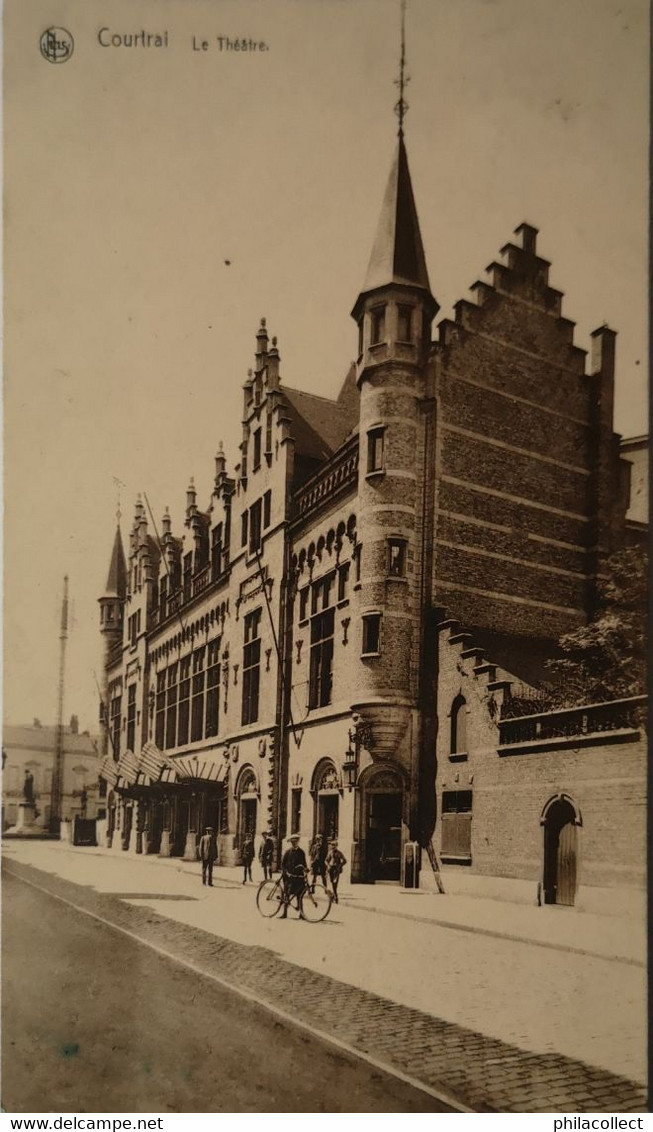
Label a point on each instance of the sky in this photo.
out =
(132, 175)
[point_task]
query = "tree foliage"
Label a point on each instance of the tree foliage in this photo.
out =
(607, 658)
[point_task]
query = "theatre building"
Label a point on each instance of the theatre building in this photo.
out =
(374, 579)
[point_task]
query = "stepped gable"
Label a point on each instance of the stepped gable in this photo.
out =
(474, 664)
(521, 278)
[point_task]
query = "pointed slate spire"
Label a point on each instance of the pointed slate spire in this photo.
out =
(117, 580)
(398, 253)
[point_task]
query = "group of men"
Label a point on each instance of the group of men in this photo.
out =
(325, 859)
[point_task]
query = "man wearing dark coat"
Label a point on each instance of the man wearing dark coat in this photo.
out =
(208, 855)
(266, 855)
(293, 871)
(317, 854)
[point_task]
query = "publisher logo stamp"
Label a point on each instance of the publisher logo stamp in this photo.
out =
(56, 45)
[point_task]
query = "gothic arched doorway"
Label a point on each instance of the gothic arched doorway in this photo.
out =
(326, 790)
(560, 819)
(247, 801)
(383, 800)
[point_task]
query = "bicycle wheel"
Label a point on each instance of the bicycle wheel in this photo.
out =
(315, 903)
(269, 898)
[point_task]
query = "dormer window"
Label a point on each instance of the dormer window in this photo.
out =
(377, 325)
(404, 324)
(257, 450)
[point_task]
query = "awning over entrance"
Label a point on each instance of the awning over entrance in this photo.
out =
(109, 770)
(205, 767)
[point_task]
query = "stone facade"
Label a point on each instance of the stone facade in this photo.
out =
(281, 663)
(32, 749)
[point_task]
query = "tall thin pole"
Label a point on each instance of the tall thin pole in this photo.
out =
(57, 772)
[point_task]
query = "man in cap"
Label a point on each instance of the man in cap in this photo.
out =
(293, 871)
(266, 854)
(208, 855)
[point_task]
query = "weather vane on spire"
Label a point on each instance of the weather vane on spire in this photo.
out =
(401, 106)
(118, 484)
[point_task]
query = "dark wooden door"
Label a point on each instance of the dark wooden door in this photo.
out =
(384, 837)
(248, 824)
(328, 816)
(560, 854)
(566, 864)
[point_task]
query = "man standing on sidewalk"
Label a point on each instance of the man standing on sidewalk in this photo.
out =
(266, 855)
(208, 855)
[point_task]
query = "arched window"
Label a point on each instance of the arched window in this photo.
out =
(458, 726)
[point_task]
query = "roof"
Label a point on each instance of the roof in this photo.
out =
(117, 579)
(321, 425)
(633, 442)
(397, 252)
(43, 739)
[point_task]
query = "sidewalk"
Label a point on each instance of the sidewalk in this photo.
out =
(503, 1023)
(552, 926)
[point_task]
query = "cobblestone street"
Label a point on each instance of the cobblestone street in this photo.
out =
(433, 1002)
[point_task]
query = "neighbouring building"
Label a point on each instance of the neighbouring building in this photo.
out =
(328, 644)
(31, 749)
(634, 449)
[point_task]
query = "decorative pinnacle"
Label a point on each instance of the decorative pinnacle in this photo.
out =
(401, 107)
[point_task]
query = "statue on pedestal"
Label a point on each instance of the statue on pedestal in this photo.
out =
(28, 787)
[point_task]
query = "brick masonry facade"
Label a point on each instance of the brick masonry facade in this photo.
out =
(288, 659)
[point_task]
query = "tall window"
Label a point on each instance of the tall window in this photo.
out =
(257, 449)
(458, 726)
(343, 578)
(377, 325)
(456, 842)
(267, 510)
(184, 701)
(371, 634)
(255, 527)
(163, 597)
(216, 552)
(268, 434)
(405, 324)
(296, 809)
(322, 627)
(243, 528)
(251, 666)
(303, 603)
(134, 627)
(397, 558)
(213, 689)
(160, 723)
(375, 445)
(171, 706)
(131, 717)
(116, 719)
(360, 336)
(197, 709)
(188, 575)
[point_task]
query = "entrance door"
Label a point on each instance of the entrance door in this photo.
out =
(560, 854)
(127, 826)
(248, 818)
(327, 816)
(383, 842)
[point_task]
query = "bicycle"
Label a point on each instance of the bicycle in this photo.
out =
(313, 901)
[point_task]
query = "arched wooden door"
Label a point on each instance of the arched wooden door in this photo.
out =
(560, 853)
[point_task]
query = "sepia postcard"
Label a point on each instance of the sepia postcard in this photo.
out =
(325, 574)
